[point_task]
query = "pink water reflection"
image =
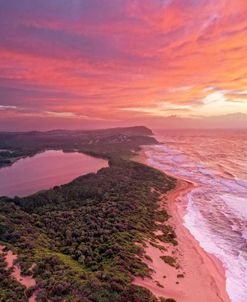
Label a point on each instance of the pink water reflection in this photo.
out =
(45, 170)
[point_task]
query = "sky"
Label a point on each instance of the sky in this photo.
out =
(104, 63)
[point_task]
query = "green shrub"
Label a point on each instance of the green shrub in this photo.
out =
(169, 260)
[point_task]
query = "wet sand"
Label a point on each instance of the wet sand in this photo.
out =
(200, 276)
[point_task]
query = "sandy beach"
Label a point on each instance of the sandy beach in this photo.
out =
(199, 276)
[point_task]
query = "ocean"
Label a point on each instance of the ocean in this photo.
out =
(216, 209)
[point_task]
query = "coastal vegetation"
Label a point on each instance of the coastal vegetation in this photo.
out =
(83, 241)
(10, 289)
(169, 260)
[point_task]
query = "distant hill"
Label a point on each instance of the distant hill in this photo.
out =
(137, 130)
(105, 143)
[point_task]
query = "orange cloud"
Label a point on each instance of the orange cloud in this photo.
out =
(122, 58)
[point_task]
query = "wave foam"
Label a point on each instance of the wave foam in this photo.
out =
(216, 210)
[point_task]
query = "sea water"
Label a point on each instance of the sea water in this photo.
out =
(216, 211)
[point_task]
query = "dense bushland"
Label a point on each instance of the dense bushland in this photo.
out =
(83, 236)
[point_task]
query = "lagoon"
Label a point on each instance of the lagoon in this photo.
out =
(46, 170)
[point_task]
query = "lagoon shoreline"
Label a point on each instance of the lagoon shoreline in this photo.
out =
(203, 277)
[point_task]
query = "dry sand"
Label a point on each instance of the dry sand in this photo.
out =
(27, 281)
(203, 275)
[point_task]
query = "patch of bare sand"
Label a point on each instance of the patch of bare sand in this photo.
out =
(27, 281)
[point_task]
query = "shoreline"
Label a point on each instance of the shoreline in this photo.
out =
(203, 274)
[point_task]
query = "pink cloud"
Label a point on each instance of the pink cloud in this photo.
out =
(94, 58)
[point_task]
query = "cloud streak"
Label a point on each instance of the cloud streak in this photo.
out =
(99, 58)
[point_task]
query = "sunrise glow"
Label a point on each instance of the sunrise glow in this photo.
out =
(107, 63)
